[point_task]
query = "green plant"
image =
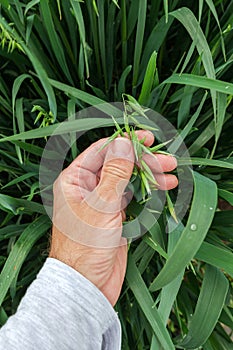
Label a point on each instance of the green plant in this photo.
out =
(173, 57)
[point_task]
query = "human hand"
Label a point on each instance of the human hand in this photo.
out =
(89, 207)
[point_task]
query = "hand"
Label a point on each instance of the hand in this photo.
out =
(88, 209)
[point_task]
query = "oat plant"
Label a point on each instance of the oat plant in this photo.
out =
(174, 57)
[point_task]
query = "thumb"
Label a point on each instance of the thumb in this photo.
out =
(117, 170)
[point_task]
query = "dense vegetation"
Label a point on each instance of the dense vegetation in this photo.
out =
(58, 57)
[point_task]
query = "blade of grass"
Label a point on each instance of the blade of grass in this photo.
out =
(228, 196)
(165, 5)
(102, 40)
(3, 316)
(124, 33)
(145, 301)
(216, 256)
(122, 81)
(186, 130)
(141, 18)
(32, 149)
(5, 3)
(30, 5)
(94, 29)
(37, 66)
(86, 97)
(202, 82)
(221, 113)
(154, 42)
(19, 205)
(208, 309)
(71, 116)
(202, 139)
(205, 162)
(11, 231)
(20, 251)
(63, 128)
(54, 38)
(187, 98)
(16, 86)
(132, 17)
(19, 179)
(215, 14)
(148, 80)
(110, 42)
(169, 292)
(79, 18)
(72, 31)
(200, 218)
(189, 21)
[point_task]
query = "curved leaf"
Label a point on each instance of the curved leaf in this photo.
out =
(200, 218)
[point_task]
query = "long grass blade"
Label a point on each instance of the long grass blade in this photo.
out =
(20, 251)
(54, 38)
(216, 256)
(200, 218)
(145, 301)
(148, 80)
(205, 162)
(209, 306)
(201, 82)
(63, 128)
(79, 18)
(189, 21)
(19, 205)
(141, 18)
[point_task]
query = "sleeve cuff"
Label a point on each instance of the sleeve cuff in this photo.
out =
(62, 310)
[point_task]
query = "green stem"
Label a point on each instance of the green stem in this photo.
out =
(124, 34)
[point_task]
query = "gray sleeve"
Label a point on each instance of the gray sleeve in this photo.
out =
(62, 310)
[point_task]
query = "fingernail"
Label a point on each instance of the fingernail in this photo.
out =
(120, 148)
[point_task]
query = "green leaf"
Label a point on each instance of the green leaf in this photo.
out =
(148, 80)
(205, 162)
(30, 4)
(54, 38)
(17, 206)
(155, 41)
(5, 3)
(201, 82)
(63, 128)
(20, 251)
(189, 21)
(216, 256)
(3, 316)
(155, 246)
(122, 80)
(139, 39)
(146, 303)
(171, 207)
(19, 179)
(200, 218)
(79, 18)
(228, 196)
(11, 231)
(16, 86)
(208, 309)
(170, 291)
(186, 130)
(87, 98)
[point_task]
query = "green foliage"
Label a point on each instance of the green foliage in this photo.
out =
(58, 57)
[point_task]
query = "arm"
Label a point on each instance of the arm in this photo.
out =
(62, 310)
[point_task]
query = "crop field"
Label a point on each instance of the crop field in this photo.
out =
(175, 58)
